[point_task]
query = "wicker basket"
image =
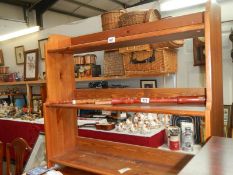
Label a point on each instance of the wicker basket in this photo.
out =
(79, 59)
(4, 70)
(144, 47)
(165, 61)
(168, 44)
(110, 20)
(113, 63)
(138, 17)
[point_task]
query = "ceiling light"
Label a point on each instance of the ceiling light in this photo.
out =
(178, 4)
(19, 33)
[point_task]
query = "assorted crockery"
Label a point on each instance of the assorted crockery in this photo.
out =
(142, 123)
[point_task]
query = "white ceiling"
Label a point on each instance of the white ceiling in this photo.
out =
(76, 6)
(78, 9)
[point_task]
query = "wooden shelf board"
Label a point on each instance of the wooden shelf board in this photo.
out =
(168, 23)
(107, 164)
(36, 82)
(196, 149)
(73, 171)
(93, 93)
(12, 83)
(22, 83)
(147, 38)
(191, 110)
(102, 78)
(13, 94)
(153, 32)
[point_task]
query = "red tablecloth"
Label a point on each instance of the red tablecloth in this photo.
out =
(9, 130)
(153, 141)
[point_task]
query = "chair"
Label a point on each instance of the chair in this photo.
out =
(20, 147)
(1, 157)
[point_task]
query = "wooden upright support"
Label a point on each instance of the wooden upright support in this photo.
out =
(60, 123)
(214, 82)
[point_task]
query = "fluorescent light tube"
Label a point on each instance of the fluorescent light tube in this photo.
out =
(178, 4)
(19, 33)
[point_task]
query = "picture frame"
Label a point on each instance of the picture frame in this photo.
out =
(198, 52)
(227, 113)
(41, 46)
(31, 65)
(19, 55)
(148, 83)
(1, 58)
(36, 103)
(38, 154)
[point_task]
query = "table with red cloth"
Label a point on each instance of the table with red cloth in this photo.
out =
(153, 139)
(11, 129)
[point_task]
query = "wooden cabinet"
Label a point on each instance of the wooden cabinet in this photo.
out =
(66, 148)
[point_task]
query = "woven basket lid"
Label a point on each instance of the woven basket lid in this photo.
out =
(113, 11)
(152, 15)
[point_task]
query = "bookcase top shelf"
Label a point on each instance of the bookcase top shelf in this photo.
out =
(163, 30)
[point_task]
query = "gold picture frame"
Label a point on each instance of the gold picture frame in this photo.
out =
(1, 58)
(19, 55)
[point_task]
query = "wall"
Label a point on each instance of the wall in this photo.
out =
(50, 19)
(16, 21)
(187, 75)
(10, 12)
(190, 76)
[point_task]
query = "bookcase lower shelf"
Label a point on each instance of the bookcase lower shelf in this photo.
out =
(73, 171)
(104, 157)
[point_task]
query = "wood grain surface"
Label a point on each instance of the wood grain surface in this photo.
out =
(107, 158)
(169, 23)
(60, 124)
(215, 158)
(60, 129)
(163, 30)
(214, 82)
(137, 92)
(73, 171)
(189, 110)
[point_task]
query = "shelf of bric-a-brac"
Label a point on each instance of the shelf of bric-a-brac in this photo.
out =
(29, 85)
(63, 145)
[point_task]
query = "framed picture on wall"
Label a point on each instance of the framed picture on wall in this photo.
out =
(19, 54)
(148, 83)
(41, 44)
(1, 58)
(199, 51)
(227, 120)
(31, 65)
